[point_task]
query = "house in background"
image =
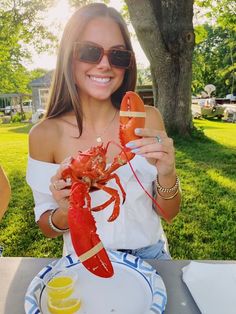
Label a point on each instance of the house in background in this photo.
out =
(40, 90)
(15, 102)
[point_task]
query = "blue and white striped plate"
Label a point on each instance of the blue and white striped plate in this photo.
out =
(135, 288)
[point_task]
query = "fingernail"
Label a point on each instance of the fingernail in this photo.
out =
(136, 150)
(137, 131)
(130, 144)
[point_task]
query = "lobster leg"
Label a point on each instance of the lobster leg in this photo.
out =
(85, 239)
(114, 197)
(104, 205)
(117, 179)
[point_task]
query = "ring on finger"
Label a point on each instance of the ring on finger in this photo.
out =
(158, 139)
(55, 185)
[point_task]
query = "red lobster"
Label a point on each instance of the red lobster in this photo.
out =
(87, 172)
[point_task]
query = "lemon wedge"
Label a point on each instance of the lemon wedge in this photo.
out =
(60, 294)
(68, 306)
(60, 282)
(60, 287)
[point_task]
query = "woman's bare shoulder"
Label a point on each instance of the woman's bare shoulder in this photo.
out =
(45, 126)
(42, 138)
(154, 118)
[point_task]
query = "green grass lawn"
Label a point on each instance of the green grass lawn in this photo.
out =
(19, 234)
(205, 228)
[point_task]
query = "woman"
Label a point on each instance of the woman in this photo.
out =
(95, 67)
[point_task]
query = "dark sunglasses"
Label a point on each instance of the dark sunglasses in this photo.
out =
(92, 53)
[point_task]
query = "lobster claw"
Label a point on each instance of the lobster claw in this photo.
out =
(83, 231)
(132, 116)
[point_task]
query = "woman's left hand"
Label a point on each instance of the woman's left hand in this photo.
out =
(157, 147)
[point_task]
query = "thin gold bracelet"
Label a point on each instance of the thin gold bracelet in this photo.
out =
(167, 190)
(169, 197)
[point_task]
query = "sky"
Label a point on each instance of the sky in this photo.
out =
(61, 12)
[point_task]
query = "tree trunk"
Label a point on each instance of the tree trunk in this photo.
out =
(22, 113)
(165, 31)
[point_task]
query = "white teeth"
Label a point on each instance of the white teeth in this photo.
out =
(100, 79)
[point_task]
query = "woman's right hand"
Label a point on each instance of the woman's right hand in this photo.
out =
(60, 188)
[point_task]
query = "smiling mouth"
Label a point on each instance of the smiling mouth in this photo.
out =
(100, 79)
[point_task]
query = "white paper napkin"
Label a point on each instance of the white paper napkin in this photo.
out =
(213, 286)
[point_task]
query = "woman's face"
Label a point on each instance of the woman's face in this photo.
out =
(101, 80)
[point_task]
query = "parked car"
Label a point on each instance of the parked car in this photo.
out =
(229, 113)
(8, 110)
(210, 109)
(231, 97)
(38, 115)
(27, 106)
(212, 112)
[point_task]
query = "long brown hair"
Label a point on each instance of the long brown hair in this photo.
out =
(64, 95)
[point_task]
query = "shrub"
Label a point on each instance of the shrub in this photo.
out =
(5, 119)
(16, 118)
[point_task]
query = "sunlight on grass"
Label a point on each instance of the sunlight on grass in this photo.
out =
(14, 146)
(223, 133)
(205, 227)
(222, 180)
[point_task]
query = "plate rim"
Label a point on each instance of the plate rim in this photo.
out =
(151, 276)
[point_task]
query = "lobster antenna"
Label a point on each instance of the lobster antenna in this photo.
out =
(140, 183)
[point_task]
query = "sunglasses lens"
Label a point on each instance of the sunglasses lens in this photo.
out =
(88, 53)
(120, 58)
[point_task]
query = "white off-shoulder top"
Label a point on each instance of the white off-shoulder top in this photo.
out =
(137, 225)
